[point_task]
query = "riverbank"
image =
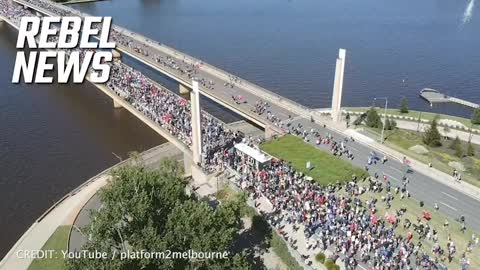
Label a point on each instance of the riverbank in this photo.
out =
(69, 2)
(422, 117)
(65, 211)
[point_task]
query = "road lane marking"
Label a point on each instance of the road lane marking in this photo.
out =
(449, 206)
(449, 196)
(391, 176)
(395, 169)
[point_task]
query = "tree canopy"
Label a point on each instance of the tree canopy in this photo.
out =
(432, 136)
(373, 119)
(150, 211)
(404, 105)
(476, 116)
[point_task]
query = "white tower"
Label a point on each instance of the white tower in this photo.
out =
(196, 123)
(338, 86)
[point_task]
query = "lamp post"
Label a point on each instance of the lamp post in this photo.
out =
(384, 116)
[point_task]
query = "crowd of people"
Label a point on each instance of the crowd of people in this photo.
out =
(332, 217)
(170, 111)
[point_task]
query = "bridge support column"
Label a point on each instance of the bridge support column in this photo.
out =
(116, 54)
(338, 86)
(187, 165)
(196, 123)
(116, 105)
(269, 132)
(183, 89)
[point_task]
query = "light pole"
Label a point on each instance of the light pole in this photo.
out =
(384, 116)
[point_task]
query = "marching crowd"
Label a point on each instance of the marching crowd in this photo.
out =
(332, 217)
(172, 112)
(167, 109)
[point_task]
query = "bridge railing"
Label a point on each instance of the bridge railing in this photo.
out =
(220, 73)
(224, 75)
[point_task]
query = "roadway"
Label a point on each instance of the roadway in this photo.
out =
(422, 187)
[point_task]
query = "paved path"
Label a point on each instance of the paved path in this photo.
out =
(36, 236)
(463, 135)
(150, 159)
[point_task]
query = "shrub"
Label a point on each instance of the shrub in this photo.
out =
(320, 257)
(404, 105)
(432, 137)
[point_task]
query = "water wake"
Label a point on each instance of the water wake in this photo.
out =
(467, 15)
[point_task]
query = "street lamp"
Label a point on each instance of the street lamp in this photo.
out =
(384, 116)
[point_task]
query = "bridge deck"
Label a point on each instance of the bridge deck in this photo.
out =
(279, 106)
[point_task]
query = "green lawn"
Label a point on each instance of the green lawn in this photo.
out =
(416, 114)
(57, 241)
(326, 168)
(401, 140)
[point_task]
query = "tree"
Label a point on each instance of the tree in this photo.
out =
(476, 116)
(387, 124)
(149, 210)
(446, 130)
(404, 105)
(454, 143)
(393, 124)
(459, 150)
(470, 149)
(432, 137)
(373, 119)
(457, 146)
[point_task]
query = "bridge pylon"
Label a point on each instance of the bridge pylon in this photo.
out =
(184, 90)
(196, 123)
(338, 86)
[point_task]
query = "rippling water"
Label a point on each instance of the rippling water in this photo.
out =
(52, 138)
(290, 46)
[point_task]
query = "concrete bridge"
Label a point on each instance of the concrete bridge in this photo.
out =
(192, 153)
(280, 106)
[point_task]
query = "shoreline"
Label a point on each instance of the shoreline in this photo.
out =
(65, 210)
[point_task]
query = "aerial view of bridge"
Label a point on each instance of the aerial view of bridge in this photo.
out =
(197, 78)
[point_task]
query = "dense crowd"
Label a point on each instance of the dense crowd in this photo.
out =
(171, 111)
(334, 217)
(167, 109)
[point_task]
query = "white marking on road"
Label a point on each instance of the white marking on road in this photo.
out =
(395, 169)
(449, 196)
(449, 206)
(389, 176)
(362, 267)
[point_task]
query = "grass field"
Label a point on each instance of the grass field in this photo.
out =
(415, 114)
(401, 140)
(326, 168)
(58, 242)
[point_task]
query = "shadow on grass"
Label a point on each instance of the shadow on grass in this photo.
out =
(254, 241)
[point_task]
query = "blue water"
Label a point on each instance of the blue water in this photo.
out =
(290, 46)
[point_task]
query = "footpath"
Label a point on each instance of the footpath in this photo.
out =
(65, 211)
